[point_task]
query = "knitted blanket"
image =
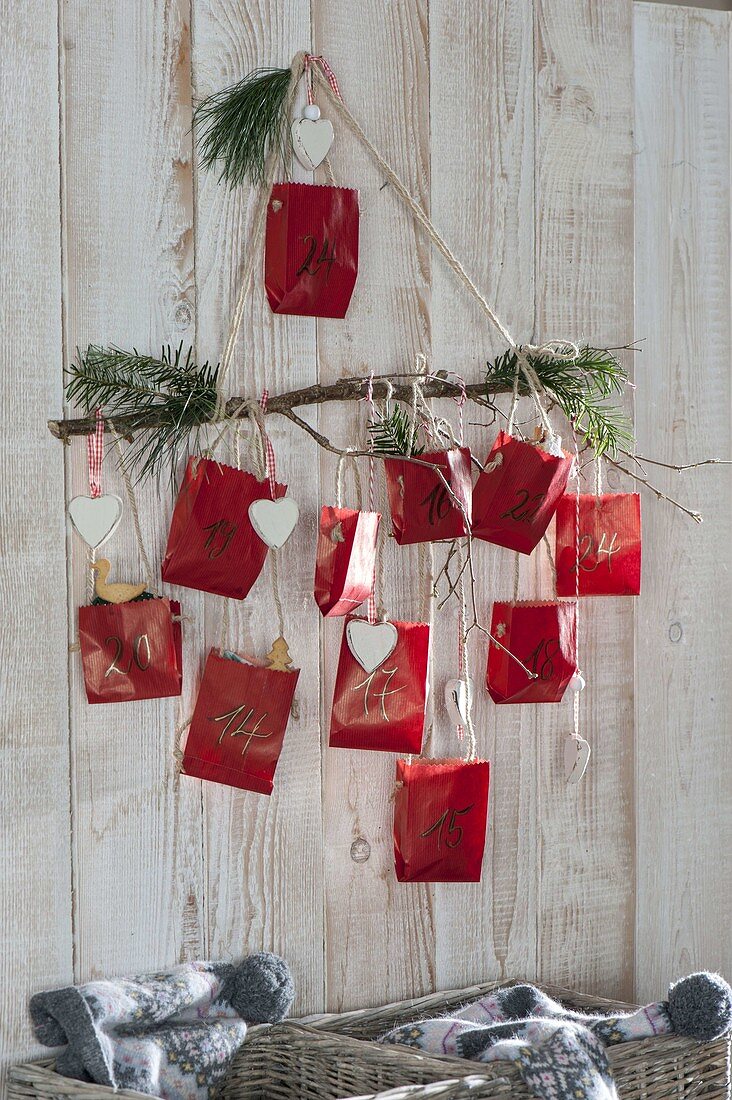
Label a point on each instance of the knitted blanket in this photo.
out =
(171, 1034)
(560, 1053)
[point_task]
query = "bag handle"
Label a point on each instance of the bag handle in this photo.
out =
(349, 460)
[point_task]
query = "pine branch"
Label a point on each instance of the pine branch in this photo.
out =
(394, 434)
(581, 388)
(240, 125)
(171, 392)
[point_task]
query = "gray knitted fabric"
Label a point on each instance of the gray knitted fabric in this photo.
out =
(171, 1034)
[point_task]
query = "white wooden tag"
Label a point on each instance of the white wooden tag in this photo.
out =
(456, 701)
(371, 643)
(576, 757)
(95, 519)
(311, 141)
(274, 520)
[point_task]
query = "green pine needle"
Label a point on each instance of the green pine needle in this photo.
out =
(128, 384)
(238, 126)
(581, 388)
(392, 434)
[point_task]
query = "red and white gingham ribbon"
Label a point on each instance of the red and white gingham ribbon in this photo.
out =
(313, 59)
(268, 448)
(95, 455)
(371, 606)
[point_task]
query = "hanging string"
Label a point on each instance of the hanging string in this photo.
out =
(134, 508)
(516, 576)
(371, 605)
(343, 460)
(576, 701)
(598, 476)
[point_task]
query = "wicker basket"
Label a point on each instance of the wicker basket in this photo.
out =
(325, 1057)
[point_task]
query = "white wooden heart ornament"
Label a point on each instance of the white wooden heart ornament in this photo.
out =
(456, 701)
(371, 643)
(274, 520)
(576, 757)
(311, 141)
(95, 519)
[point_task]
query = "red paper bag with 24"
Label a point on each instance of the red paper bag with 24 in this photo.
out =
(131, 650)
(311, 249)
(440, 815)
(239, 723)
(345, 560)
(544, 638)
(609, 545)
(379, 697)
(212, 545)
(517, 493)
(422, 510)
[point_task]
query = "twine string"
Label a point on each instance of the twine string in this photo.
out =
(344, 461)
(134, 508)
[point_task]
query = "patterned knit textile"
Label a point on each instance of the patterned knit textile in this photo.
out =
(170, 1034)
(559, 1053)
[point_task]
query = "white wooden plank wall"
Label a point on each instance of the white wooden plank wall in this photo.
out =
(513, 121)
(683, 648)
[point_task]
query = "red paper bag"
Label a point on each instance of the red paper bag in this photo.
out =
(544, 638)
(421, 508)
(517, 493)
(345, 560)
(239, 723)
(382, 709)
(131, 650)
(212, 545)
(311, 249)
(609, 545)
(440, 815)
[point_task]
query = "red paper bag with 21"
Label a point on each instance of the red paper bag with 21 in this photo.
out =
(440, 815)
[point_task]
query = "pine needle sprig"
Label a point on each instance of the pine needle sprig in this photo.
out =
(238, 126)
(179, 394)
(582, 388)
(393, 434)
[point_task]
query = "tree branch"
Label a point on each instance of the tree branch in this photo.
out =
(345, 389)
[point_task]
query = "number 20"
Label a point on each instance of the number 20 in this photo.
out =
(140, 654)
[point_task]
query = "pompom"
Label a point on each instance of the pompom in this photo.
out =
(260, 989)
(700, 1006)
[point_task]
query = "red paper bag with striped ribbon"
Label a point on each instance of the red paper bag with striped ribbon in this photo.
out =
(440, 818)
(422, 510)
(131, 650)
(543, 636)
(345, 559)
(379, 701)
(517, 493)
(609, 545)
(239, 723)
(311, 249)
(212, 545)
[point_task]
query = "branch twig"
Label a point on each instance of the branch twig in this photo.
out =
(345, 389)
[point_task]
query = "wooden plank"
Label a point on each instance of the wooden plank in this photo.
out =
(264, 855)
(129, 281)
(482, 128)
(35, 851)
(380, 934)
(584, 291)
(683, 691)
